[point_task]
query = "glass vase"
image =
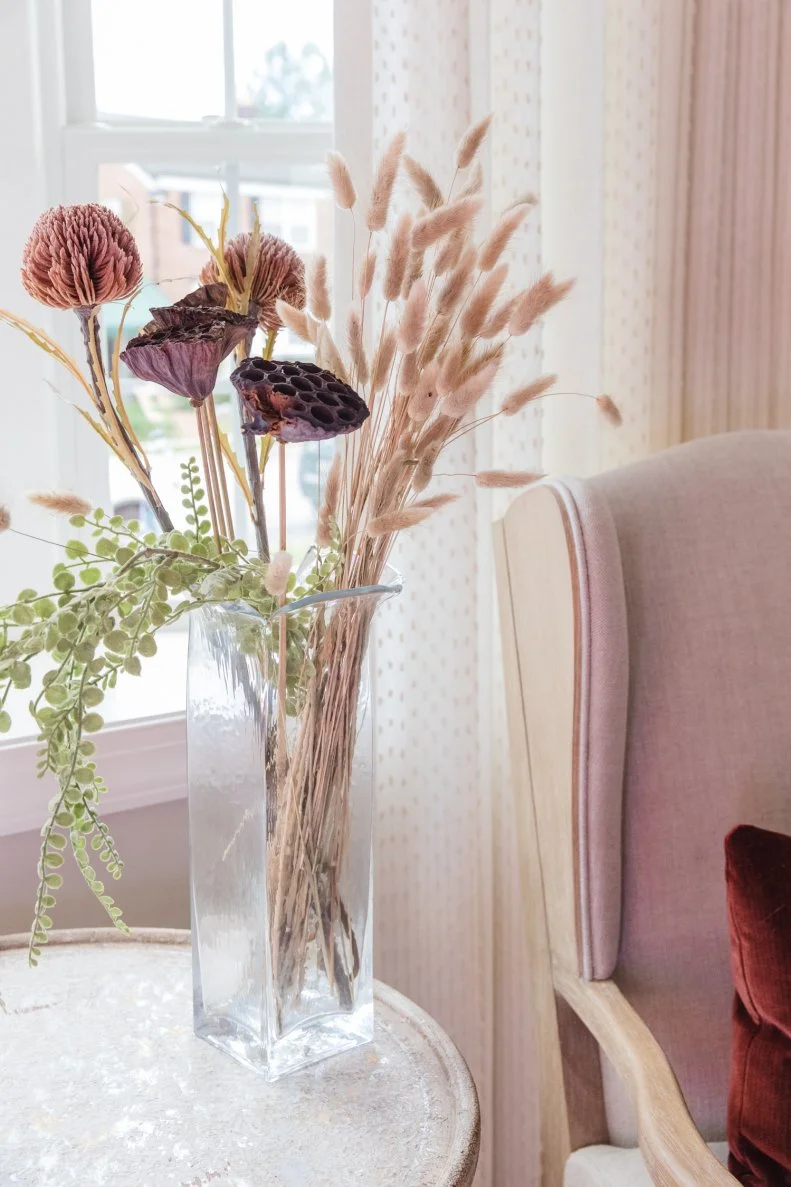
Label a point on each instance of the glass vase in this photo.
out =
(280, 753)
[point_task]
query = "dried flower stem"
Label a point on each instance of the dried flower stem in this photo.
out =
(208, 478)
(254, 476)
(117, 431)
(214, 438)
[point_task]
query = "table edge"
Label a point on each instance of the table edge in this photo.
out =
(465, 1144)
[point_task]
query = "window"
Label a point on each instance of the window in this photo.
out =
(139, 103)
(228, 96)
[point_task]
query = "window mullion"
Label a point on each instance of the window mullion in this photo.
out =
(78, 72)
(229, 62)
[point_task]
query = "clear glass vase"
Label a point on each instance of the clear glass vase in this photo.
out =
(280, 751)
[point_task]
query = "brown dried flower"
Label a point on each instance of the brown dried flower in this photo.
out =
(500, 236)
(493, 479)
(471, 141)
(366, 276)
(443, 221)
(517, 400)
(296, 401)
(319, 302)
(463, 399)
(209, 296)
(5, 518)
(413, 317)
(610, 410)
(343, 190)
(185, 355)
(279, 273)
(356, 344)
(80, 256)
(384, 180)
(427, 188)
(397, 258)
(397, 521)
(62, 502)
(297, 320)
(536, 301)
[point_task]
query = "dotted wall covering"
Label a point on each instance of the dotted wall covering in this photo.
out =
(515, 88)
(448, 921)
(630, 121)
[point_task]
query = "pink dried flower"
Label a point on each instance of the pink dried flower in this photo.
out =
(517, 400)
(396, 521)
(498, 320)
(431, 227)
(424, 400)
(318, 290)
(506, 478)
(277, 574)
(413, 317)
(481, 300)
(464, 399)
(61, 502)
(471, 142)
(278, 273)
(397, 258)
(427, 188)
(536, 301)
(610, 410)
(367, 272)
(500, 236)
(341, 181)
(383, 183)
(80, 256)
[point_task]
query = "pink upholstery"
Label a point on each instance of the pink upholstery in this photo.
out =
(704, 532)
(603, 660)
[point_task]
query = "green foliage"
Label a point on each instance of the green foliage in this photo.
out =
(110, 596)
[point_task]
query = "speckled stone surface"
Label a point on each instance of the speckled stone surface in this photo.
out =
(102, 1082)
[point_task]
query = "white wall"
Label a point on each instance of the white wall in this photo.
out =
(154, 889)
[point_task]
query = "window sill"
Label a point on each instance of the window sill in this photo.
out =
(143, 763)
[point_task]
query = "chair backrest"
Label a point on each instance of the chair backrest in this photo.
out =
(647, 627)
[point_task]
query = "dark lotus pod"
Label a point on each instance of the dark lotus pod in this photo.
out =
(296, 401)
(208, 298)
(185, 355)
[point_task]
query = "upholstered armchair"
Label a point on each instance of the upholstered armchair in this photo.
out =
(646, 617)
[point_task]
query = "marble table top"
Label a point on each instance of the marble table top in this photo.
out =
(102, 1082)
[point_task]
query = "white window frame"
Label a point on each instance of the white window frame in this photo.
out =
(49, 83)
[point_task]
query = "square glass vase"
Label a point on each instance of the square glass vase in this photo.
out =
(281, 783)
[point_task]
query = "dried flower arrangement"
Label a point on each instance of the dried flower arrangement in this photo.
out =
(436, 351)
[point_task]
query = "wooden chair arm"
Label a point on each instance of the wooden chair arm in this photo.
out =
(675, 1153)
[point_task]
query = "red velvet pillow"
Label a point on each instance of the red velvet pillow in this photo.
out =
(758, 872)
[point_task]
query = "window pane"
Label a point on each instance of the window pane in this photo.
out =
(172, 65)
(283, 59)
(165, 423)
(159, 60)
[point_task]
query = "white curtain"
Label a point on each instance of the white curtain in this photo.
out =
(697, 259)
(448, 930)
(666, 185)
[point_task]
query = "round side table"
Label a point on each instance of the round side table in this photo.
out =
(102, 1082)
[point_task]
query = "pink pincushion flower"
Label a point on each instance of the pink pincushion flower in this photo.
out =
(77, 257)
